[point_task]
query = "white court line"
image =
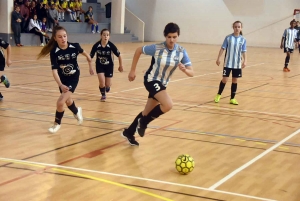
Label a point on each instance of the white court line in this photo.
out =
(133, 177)
(216, 185)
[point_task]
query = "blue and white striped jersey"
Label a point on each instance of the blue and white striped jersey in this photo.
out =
(234, 46)
(164, 61)
(289, 37)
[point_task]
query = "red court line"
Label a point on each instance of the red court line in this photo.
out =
(100, 151)
(86, 155)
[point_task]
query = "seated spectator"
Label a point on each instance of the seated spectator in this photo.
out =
(61, 14)
(34, 27)
(89, 19)
(78, 9)
(72, 7)
(65, 7)
(53, 16)
(43, 25)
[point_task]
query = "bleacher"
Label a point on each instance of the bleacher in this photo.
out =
(81, 31)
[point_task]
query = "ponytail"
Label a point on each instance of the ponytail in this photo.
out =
(51, 44)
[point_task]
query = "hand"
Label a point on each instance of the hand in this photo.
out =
(131, 76)
(218, 62)
(64, 88)
(281, 46)
(181, 67)
(8, 63)
(244, 64)
(91, 71)
(120, 69)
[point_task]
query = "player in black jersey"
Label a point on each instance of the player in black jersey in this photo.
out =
(65, 70)
(105, 61)
(3, 78)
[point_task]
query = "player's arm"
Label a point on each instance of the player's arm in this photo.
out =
(135, 60)
(88, 58)
(282, 39)
(185, 65)
(118, 54)
(219, 56)
(8, 50)
(244, 55)
(120, 63)
(223, 47)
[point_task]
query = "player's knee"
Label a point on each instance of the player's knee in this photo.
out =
(224, 80)
(167, 107)
(60, 103)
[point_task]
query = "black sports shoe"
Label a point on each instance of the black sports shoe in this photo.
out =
(141, 128)
(1, 97)
(131, 139)
(5, 81)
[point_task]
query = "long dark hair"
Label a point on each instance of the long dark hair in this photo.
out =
(51, 44)
(241, 25)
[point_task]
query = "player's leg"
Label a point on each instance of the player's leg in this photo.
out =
(160, 104)
(59, 111)
(226, 73)
(287, 59)
(108, 78)
(77, 111)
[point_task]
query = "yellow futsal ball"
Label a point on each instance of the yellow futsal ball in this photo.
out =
(184, 164)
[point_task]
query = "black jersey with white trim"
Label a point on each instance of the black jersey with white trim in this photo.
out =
(3, 44)
(65, 61)
(104, 54)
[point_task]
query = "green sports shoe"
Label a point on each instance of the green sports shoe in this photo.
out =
(217, 98)
(233, 101)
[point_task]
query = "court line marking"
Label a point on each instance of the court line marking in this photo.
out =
(103, 120)
(94, 178)
(220, 182)
(176, 103)
(134, 177)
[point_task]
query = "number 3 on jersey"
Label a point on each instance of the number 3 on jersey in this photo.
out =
(157, 87)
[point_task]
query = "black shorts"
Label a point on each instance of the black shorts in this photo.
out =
(235, 72)
(107, 70)
(153, 88)
(72, 84)
(2, 62)
(87, 20)
(285, 50)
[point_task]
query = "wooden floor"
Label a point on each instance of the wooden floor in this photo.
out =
(245, 152)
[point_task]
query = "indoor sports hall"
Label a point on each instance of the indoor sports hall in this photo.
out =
(244, 152)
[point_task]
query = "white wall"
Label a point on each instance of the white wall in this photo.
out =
(209, 21)
(6, 8)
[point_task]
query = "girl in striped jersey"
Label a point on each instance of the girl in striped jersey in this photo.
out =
(287, 43)
(166, 57)
(235, 45)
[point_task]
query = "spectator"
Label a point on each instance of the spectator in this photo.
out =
(89, 19)
(53, 16)
(61, 13)
(32, 9)
(34, 27)
(43, 25)
(16, 20)
(72, 7)
(66, 8)
(25, 15)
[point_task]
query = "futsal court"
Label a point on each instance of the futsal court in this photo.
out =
(245, 152)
